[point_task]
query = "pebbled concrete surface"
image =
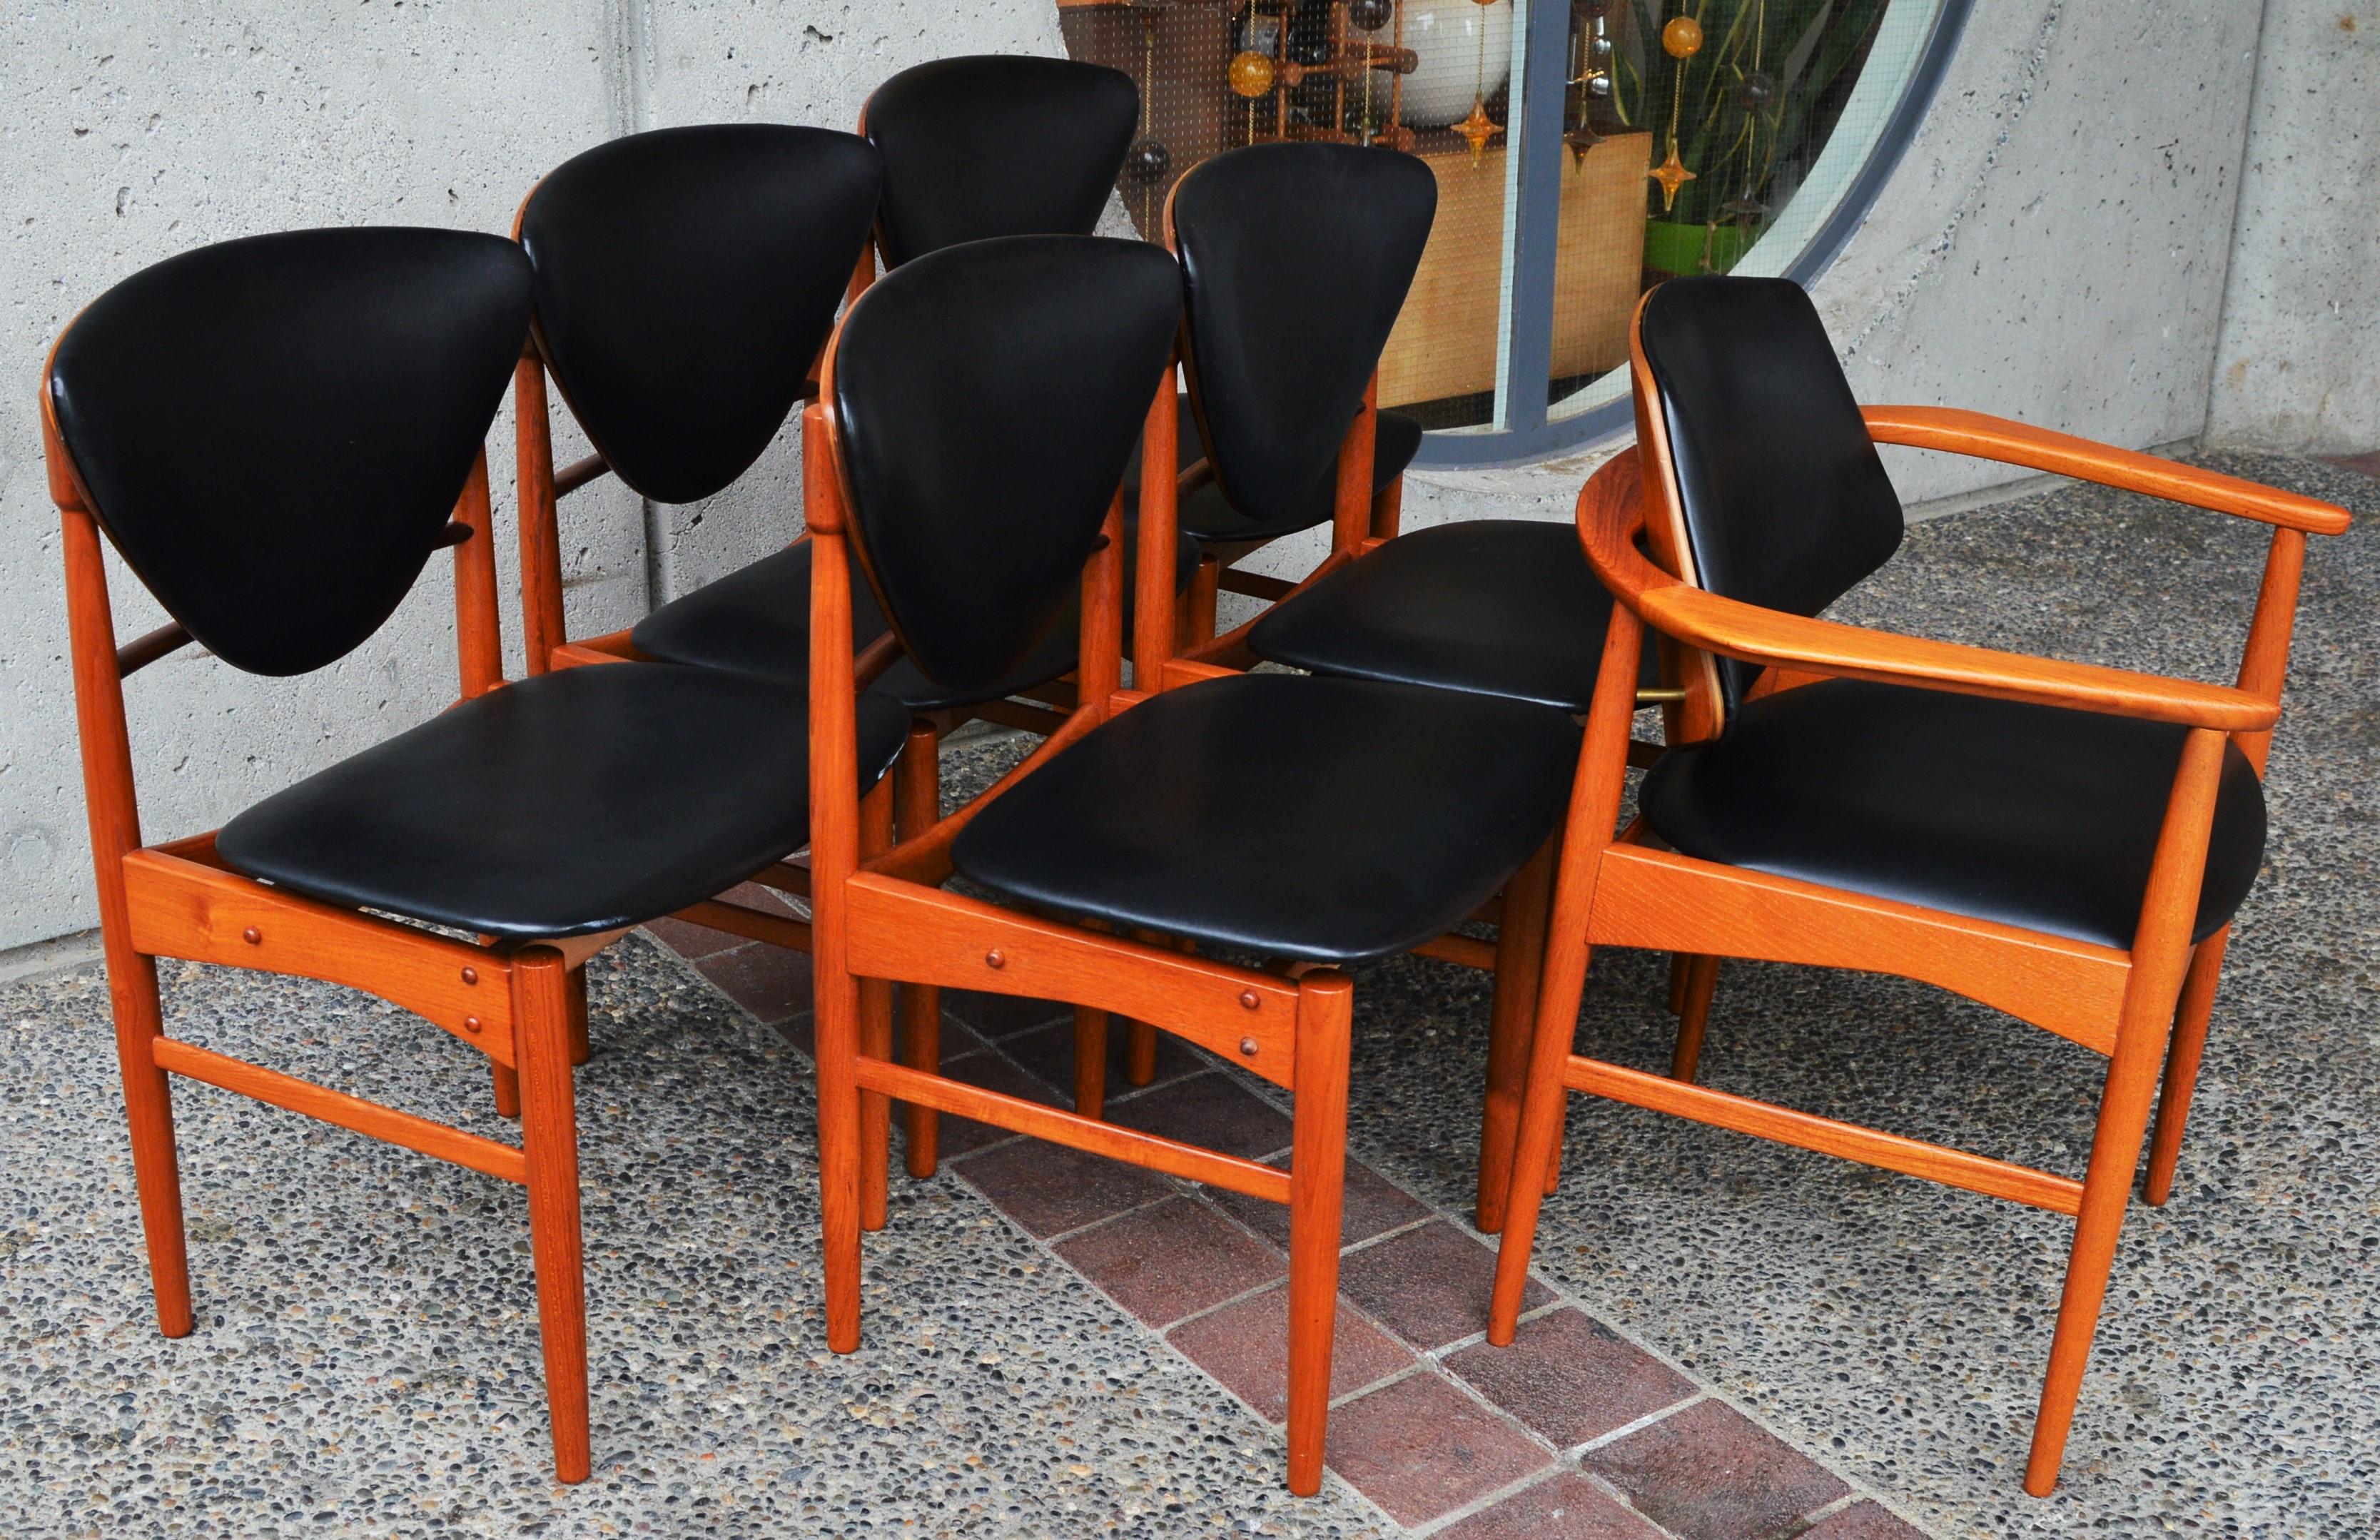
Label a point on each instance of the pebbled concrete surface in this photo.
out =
(366, 1357)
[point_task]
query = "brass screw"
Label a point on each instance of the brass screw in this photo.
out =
(471, 1024)
(252, 936)
(1248, 998)
(471, 976)
(1247, 1047)
(995, 958)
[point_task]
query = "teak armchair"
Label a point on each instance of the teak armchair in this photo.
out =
(2062, 842)
(272, 432)
(978, 407)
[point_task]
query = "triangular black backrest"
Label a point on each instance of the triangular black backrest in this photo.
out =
(685, 281)
(275, 431)
(988, 395)
(1295, 260)
(1787, 505)
(998, 144)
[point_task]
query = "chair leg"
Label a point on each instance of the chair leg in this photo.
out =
(508, 1089)
(1680, 967)
(550, 1147)
(1520, 957)
(1388, 508)
(1139, 1052)
(836, 1028)
(1206, 584)
(875, 1108)
(2181, 1061)
(1091, 1061)
(1318, 1171)
(918, 806)
(580, 1051)
(1544, 1102)
(149, 1116)
(1702, 981)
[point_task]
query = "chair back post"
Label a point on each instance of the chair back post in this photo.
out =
(479, 634)
(110, 796)
(1350, 512)
(1099, 640)
(542, 628)
(1153, 566)
(1703, 711)
(2265, 666)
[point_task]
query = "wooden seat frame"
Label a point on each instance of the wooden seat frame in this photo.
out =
(2137, 1007)
(517, 1004)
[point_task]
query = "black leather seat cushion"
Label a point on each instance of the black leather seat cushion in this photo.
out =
(1503, 607)
(757, 620)
(1206, 515)
(2028, 815)
(565, 804)
(1331, 819)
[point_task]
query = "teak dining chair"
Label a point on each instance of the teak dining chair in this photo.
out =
(1295, 259)
(978, 408)
(272, 432)
(686, 279)
(2065, 842)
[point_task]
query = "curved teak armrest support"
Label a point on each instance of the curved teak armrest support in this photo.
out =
(1996, 438)
(1607, 525)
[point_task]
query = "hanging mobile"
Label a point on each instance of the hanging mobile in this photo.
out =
(1478, 129)
(1682, 40)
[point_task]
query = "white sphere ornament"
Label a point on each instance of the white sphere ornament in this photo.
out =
(1445, 34)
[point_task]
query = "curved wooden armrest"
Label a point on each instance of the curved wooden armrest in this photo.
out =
(1994, 438)
(1610, 513)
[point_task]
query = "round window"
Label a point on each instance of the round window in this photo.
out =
(1584, 150)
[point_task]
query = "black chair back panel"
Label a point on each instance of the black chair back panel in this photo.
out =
(685, 279)
(988, 395)
(1787, 505)
(999, 144)
(275, 431)
(1296, 260)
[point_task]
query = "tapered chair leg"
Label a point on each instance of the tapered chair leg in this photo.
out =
(1702, 982)
(579, 1050)
(1091, 1061)
(876, 824)
(508, 1089)
(1206, 586)
(1543, 1103)
(1520, 958)
(1139, 1053)
(2181, 1062)
(918, 804)
(2161, 958)
(149, 1114)
(1680, 968)
(1317, 1170)
(550, 1147)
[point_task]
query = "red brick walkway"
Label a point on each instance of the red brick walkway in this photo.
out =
(1573, 1433)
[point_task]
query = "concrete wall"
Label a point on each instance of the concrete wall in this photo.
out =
(2298, 366)
(2054, 246)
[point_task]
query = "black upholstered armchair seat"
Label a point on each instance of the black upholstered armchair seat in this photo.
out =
(1503, 607)
(564, 805)
(2027, 815)
(1327, 819)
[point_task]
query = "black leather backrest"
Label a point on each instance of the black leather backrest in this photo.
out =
(988, 396)
(275, 431)
(685, 279)
(1787, 505)
(1296, 260)
(998, 144)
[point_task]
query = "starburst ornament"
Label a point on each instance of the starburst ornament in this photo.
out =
(1478, 129)
(1672, 174)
